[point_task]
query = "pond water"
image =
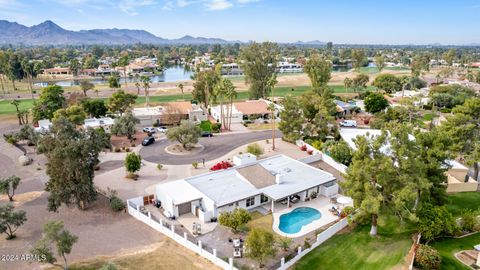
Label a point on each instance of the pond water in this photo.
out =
(170, 74)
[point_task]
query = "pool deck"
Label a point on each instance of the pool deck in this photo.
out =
(322, 204)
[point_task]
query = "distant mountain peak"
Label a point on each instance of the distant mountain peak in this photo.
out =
(49, 33)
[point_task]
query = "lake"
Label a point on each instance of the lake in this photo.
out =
(170, 74)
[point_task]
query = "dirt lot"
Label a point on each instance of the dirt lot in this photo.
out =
(101, 232)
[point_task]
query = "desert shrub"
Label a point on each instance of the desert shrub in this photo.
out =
(159, 166)
(127, 149)
(116, 204)
(117, 149)
(427, 258)
(195, 165)
(255, 149)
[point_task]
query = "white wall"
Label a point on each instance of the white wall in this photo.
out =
(329, 191)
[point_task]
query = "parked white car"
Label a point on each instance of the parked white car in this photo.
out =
(348, 123)
(162, 129)
(149, 129)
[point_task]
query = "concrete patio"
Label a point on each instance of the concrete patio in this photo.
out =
(320, 203)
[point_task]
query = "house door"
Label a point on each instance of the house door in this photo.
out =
(196, 211)
(184, 208)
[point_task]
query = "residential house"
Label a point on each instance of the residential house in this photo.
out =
(105, 123)
(245, 111)
(170, 113)
(57, 71)
(461, 179)
(249, 184)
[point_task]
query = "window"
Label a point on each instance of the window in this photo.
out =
(250, 201)
(263, 199)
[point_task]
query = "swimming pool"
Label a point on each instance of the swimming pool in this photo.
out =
(293, 221)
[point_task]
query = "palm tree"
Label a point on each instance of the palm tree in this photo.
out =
(271, 107)
(180, 85)
(220, 93)
(146, 86)
(231, 94)
(137, 84)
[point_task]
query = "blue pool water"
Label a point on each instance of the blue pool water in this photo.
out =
(293, 222)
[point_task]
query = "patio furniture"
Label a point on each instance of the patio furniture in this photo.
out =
(294, 199)
(284, 202)
(199, 228)
(333, 200)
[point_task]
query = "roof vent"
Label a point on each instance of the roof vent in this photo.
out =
(287, 170)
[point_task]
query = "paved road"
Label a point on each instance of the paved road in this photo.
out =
(215, 147)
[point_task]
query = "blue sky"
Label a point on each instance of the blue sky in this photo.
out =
(339, 21)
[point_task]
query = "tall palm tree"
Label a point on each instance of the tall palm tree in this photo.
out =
(271, 107)
(180, 86)
(137, 84)
(220, 93)
(231, 94)
(146, 86)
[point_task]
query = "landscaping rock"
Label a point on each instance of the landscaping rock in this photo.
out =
(24, 160)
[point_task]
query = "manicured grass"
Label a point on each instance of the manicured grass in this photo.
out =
(429, 116)
(373, 70)
(462, 201)
(358, 250)
(261, 221)
(449, 246)
(7, 109)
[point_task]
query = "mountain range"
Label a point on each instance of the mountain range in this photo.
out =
(49, 33)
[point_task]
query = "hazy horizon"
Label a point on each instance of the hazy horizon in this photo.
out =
(349, 22)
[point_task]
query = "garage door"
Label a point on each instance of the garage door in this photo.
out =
(184, 208)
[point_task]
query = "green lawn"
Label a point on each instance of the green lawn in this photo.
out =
(7, 109)
(358, 250)
(463, 200)
(449, 246)
(261, 221)
(429, 116)
(373, 70)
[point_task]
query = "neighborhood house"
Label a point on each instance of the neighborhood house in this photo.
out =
(249, 184)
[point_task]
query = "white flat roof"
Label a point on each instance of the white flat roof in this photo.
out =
(180, 191)
(296, 176)
(223, 187)
(229, 186)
